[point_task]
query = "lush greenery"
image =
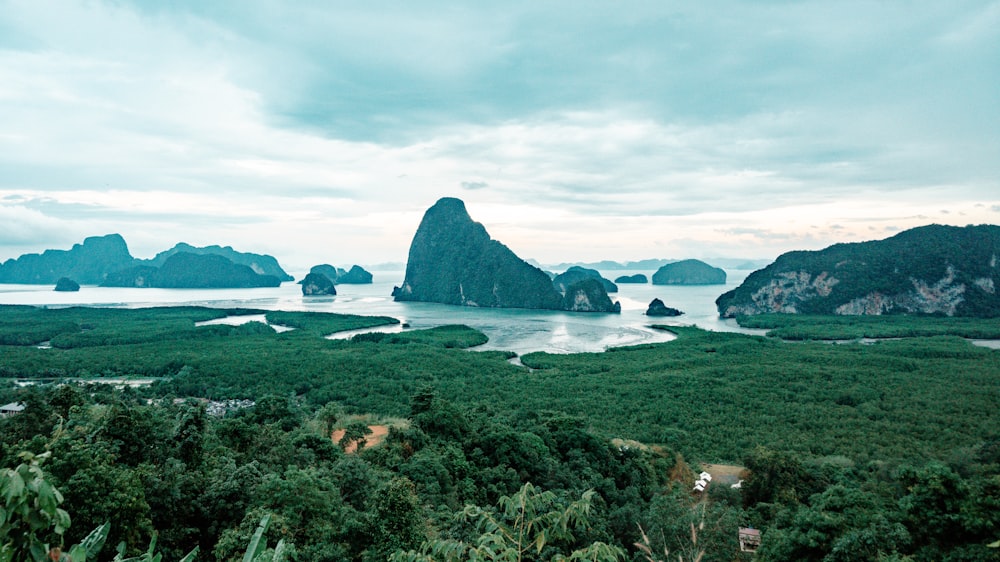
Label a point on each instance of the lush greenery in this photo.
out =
(812, 327)
(852, 452)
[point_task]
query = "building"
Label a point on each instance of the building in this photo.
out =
(12, 409)
(749, 539)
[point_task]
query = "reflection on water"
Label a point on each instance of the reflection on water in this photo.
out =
(515, 330)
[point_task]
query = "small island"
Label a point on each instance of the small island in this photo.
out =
(67, 285)
(637, 278)
(317, 284)
(657, 308)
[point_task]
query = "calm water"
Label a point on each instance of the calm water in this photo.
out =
(520, 331)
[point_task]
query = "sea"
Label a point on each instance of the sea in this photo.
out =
(518, 330)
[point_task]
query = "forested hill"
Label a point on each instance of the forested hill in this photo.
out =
(935, 269)
(106, 260)
(261, 264)
(87, 263)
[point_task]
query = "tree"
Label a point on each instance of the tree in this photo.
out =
(355, 432)
(397, 520)
(529, 525)
(30, 515)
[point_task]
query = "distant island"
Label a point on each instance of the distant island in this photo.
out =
(356, 276)
(191, 271)
(689, 272)
(638, 278)
(576, 273)
(259, 263)
(453, 260)
(935, 269)
(105, 260)
(88, 263)
(66, 285)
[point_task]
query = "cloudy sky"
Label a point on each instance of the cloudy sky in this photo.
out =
(574, 131)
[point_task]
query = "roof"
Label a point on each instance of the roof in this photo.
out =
(749, 531)
(12, 407)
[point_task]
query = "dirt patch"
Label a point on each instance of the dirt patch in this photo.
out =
(725, 473)
(374, 438)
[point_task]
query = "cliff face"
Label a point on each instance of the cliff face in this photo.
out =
(934, 269)
(588, 295)
(88, 263)
(261, 264)
(192, 271)
(689, 272)
(453, 260)
(317, 284)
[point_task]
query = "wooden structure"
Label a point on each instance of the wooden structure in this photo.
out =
(749, 539)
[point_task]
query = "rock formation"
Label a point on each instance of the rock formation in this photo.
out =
(356, 276)
(315, 284)
(332, 273)
(261, 264)
(637, 278)
(453, 260)
(88, 263)
(946, 270)
(192, 271)
(689, 272)
(657, 308)
(588, 295)
(67, 285)
(577, 273)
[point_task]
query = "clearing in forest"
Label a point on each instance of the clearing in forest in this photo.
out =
(374, 438)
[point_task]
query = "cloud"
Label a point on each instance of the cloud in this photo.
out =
(273, 123)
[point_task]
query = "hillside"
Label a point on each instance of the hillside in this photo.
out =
(191, 271)
(88, 263)
(935, 269)
(261, 264)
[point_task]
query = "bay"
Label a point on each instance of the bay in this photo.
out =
(517, 330)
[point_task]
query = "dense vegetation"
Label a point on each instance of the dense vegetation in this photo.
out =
(810, 327)
(852, 451)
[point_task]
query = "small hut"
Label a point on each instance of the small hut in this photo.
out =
(749, 539)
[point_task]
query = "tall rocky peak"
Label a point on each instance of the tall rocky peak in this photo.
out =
(88, 263)
(453, 260)
(933, 269)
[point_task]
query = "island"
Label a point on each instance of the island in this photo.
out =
(934, 269)
(638, 278)
(689, 272)
(453, 260)
(317, 284)
(192, 271)
(658, 308)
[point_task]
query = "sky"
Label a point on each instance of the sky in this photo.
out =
(319, 132)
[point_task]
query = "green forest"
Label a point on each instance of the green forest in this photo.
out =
(887, 449)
